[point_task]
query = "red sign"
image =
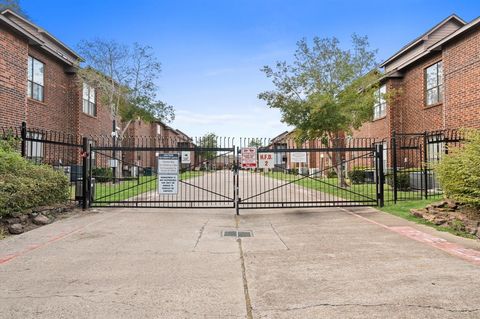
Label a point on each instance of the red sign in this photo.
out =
(249, 157)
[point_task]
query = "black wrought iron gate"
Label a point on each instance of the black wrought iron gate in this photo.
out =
(343, 172)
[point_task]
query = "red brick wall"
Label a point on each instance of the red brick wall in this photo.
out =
(13, 78)
(61, 109)
(56, 112)
(462, 79)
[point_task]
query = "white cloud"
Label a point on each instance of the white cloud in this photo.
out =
(251, 122)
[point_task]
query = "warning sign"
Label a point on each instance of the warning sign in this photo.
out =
(249, 157)
(185, 157)
(168, 174)
(298, 157)
(265, 160)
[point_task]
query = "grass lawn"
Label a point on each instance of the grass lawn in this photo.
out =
(362, 191)
(107, 192)
(330, 185)
(402, 209)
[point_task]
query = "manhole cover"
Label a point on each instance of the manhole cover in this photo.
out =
(237, 233)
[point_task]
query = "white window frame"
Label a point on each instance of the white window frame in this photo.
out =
(435, 149)
(436, 88)
(380, 107)
(36, 80)
(34, 149)
(88, 98)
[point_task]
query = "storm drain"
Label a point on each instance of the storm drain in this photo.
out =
(237, 233)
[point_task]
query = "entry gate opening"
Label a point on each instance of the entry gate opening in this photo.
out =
(212, 172)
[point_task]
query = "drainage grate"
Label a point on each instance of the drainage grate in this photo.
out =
(237, 233)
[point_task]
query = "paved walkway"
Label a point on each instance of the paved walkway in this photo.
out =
(301, 263)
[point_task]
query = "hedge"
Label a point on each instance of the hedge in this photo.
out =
(458, 172)
(25, 185)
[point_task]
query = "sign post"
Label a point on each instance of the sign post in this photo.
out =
(249, 157)
(168, 174)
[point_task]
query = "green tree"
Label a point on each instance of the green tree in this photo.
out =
(209, 140)
(255, 142)
(326, 90)
(125, 76)
(13, 5)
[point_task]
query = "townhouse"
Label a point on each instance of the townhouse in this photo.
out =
(154, 134)
(39, 85)
(38, 82)
(434, 83)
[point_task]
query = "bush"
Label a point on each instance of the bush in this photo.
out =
(357, 175)
(24, 185)
(458, 172)
(403, 181)
(331, 174)
(102, 174)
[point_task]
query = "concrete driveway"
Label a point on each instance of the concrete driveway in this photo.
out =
(301, 263)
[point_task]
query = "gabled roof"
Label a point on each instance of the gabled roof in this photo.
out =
(423, 37)
(40, 37)
(438, 45)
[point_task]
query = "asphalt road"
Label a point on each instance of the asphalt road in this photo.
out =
(301, 263)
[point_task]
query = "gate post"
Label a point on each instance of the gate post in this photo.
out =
(394, 164)
(236, 179)
(23, 135)
(85, 186)
(425, 160)
(381, 175)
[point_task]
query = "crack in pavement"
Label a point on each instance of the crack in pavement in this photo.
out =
(278, 235)
(248, 302)
(200, 234)
(375, 305)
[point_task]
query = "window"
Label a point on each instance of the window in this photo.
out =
(159, 129)
(434, 84)
(380, 107)
(36, 74)
(89, 106)
(435, 148)
(34, 149)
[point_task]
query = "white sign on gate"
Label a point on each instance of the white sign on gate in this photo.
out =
(249, 157)
(168, 174)
(266, 160)
(186, 157)
(298, 157)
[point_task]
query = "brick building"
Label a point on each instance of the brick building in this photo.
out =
(435, 78)
(155, 134)
(38, 82)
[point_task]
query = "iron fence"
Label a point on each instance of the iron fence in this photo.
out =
(105, 171)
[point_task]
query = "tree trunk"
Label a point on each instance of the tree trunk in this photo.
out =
(336, 159)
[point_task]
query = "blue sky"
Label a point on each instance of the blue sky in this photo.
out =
(212, 50)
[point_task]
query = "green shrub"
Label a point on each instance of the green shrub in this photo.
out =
(403, 181)
(458, 172)
(25, 185)
(357, 175)
(102, 174)
(331, 174)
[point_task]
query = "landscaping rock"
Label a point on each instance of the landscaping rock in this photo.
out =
(452, 204)
(11, 221)
(42, 209)
(41, 220)
(23, 219)
(439, 204)
(15, 229)
(418, 212)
